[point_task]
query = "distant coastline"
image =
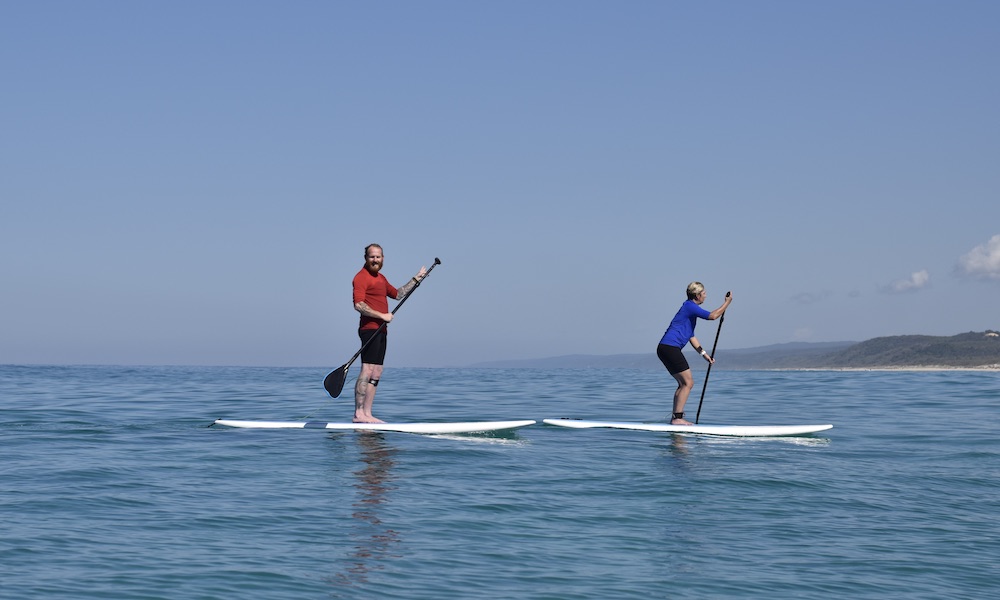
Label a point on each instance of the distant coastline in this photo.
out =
(994, 367)
(973, 351)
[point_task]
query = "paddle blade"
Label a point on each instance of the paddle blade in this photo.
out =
(334, 382)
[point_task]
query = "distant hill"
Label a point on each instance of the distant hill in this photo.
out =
(794, 355)
(973, 349)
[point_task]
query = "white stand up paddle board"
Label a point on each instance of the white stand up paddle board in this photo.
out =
(469, 427)
(733, 430)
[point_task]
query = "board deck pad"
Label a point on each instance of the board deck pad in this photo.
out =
(730, 430)
(453, 427)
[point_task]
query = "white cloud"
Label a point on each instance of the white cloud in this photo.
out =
(917, 281)
(983, 261)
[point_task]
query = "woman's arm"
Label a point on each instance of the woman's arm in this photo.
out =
(697, 348)
(715, 314)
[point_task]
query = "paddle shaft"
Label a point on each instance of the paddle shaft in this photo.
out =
(334, 382)
(709, 370)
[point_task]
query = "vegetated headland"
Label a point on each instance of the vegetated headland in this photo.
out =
(973, 350)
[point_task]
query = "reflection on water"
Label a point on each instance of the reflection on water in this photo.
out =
(797, 440)
(509, 438)
(678, 450)
(373, 540)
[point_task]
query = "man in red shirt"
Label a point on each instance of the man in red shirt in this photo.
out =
(371, 293)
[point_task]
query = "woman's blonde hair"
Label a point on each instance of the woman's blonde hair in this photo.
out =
(694, 288)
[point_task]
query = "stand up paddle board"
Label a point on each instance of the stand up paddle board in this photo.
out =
(732, 430)
(469, 427)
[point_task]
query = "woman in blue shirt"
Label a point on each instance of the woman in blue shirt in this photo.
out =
(681, 332)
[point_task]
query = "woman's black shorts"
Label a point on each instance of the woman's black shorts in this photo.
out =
(672, 358)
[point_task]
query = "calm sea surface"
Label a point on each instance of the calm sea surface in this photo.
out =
(112, 485)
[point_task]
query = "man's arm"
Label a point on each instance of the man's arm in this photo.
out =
(367, 311)
(403, 290)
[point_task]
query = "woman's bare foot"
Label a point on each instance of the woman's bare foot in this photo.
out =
(678, 419)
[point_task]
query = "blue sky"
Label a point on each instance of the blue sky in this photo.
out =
(194, 182)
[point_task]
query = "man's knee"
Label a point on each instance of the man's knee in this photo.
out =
(369, 375)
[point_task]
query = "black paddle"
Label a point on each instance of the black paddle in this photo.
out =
(704, 387)
(334, 382)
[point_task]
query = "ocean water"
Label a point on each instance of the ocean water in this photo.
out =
(113, 485)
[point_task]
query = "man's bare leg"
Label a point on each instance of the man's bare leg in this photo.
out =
(364, 393)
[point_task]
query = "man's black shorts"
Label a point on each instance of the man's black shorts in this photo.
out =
(672, 358)
(373, 353)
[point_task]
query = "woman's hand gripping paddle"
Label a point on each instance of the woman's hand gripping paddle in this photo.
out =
(334, 382)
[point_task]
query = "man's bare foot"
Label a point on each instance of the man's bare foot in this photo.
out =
(367, 419)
